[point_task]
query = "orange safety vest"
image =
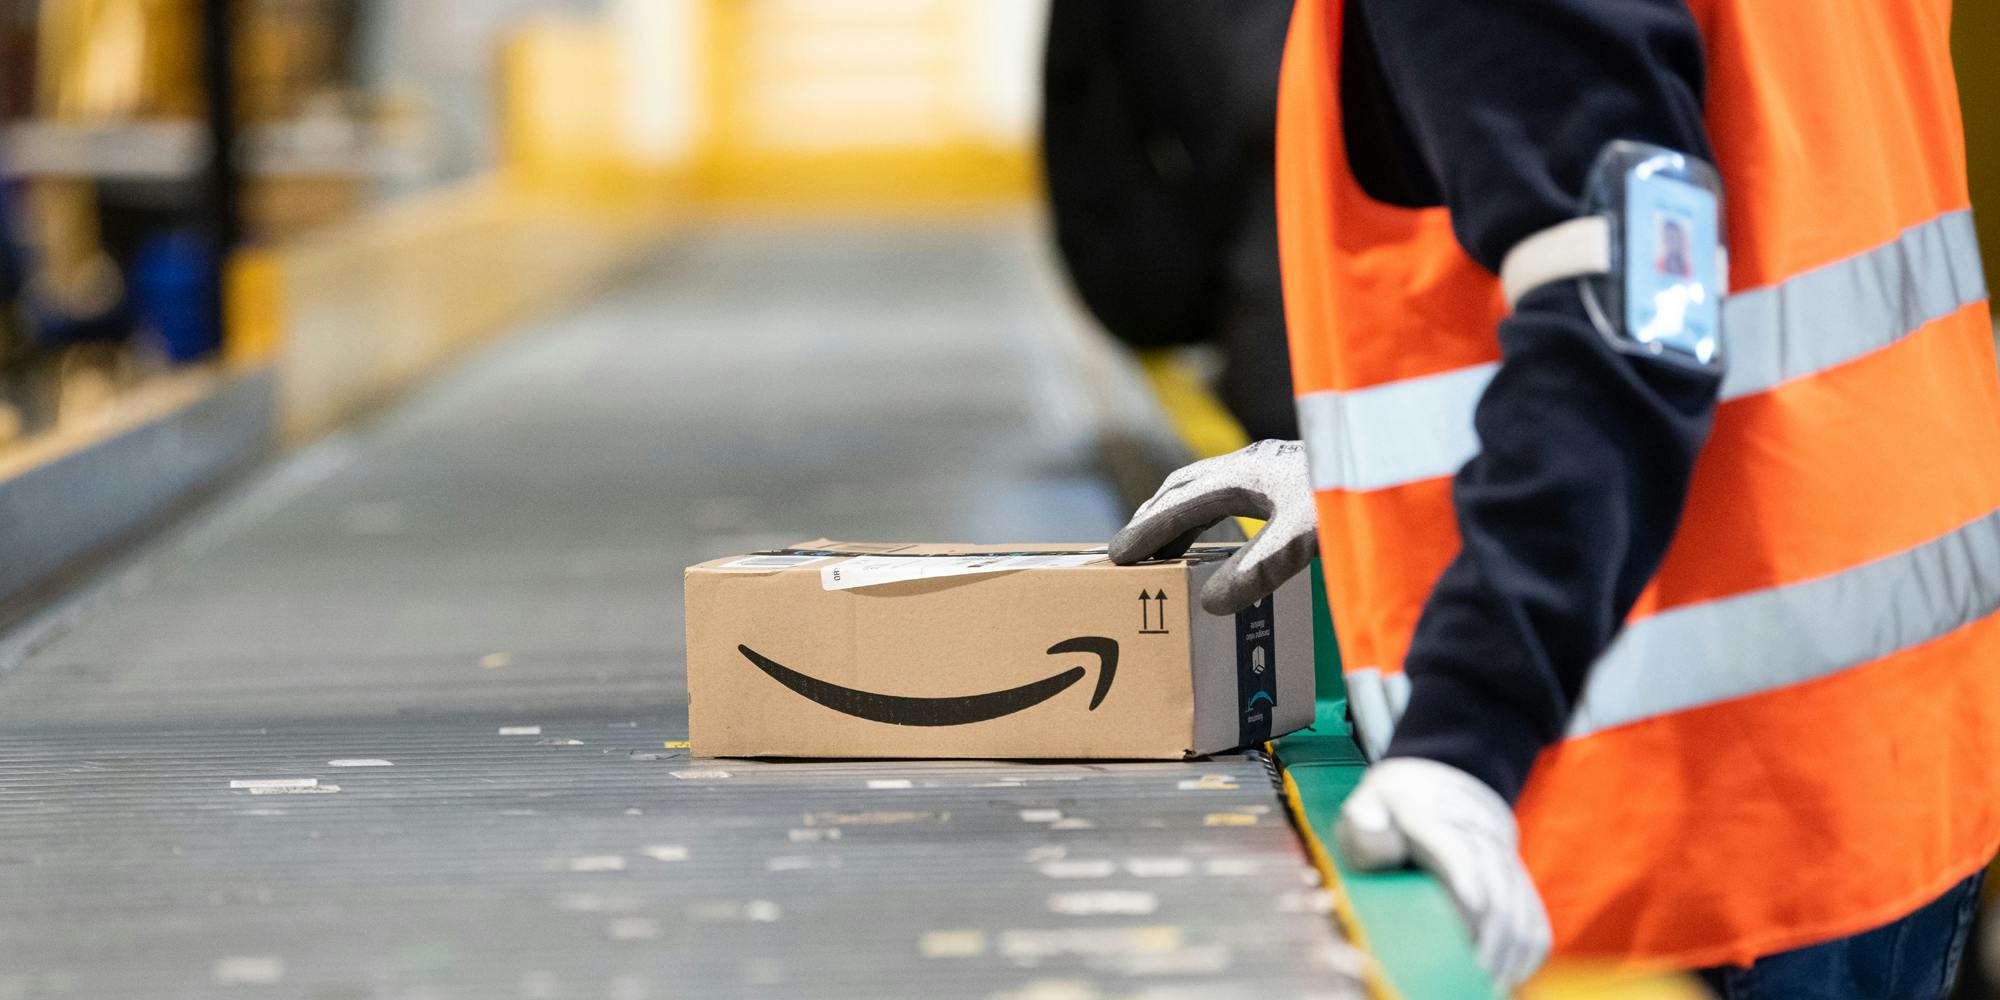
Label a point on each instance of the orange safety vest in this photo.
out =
(1796, 736)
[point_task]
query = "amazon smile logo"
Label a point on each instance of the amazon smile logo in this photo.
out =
(898, 710)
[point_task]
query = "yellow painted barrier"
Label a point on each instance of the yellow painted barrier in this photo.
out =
(1200, 420)
(254, 306)
(859, 104)
(772, 105)
(357, 310)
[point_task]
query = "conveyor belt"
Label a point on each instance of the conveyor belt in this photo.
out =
(444, 650)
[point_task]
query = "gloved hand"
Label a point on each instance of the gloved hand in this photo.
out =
(1267, 480)
(1376, 701)
(1412, 810)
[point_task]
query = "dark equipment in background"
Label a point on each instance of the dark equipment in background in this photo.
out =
(1157, 145)
(141, 144)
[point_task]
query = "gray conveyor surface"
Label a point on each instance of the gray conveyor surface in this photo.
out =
(481, 587)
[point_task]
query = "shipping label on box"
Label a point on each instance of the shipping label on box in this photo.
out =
(832, 649)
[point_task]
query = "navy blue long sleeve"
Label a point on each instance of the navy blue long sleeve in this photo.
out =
(1496, 109)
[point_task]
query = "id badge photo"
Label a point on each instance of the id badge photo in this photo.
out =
(1663, 294)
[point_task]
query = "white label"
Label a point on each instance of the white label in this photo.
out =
(873, 571)
(772, 562)
(1109, 902)
(249, 970)
(632, 928)
(1168, 867)
(1078, 868)
(953, 944)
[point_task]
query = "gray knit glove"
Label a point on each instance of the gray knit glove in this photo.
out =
(1266, 480)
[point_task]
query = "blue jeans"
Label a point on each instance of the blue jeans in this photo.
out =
(1914, 958)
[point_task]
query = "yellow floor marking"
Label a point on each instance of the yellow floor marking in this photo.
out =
(1200, 420)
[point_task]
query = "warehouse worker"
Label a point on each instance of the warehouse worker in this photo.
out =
(1699, 597)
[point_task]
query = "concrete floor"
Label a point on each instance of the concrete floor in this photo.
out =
(462, 620)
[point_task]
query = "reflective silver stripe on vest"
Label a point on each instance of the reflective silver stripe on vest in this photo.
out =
(1837, 312)
(1393, 433)
(1763, 640)
(1421, 428)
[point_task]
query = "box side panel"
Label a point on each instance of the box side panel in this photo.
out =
(1227, 679)
(729, 610)
(996, 666)
(696, 599)
(1297, 664)
(1216, 718)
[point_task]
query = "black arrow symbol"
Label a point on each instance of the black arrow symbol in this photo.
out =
(1146, 626)
(898, 710)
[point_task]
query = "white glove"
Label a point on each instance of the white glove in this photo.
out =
(1377, 701)
(1412, 810)
(1266, 480)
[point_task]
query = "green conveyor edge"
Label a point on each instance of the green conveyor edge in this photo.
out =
(1403, 919)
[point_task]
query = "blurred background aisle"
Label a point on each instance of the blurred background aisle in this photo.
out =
(460, 622)
(369, 369)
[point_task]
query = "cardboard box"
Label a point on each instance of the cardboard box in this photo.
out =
(833, 649)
